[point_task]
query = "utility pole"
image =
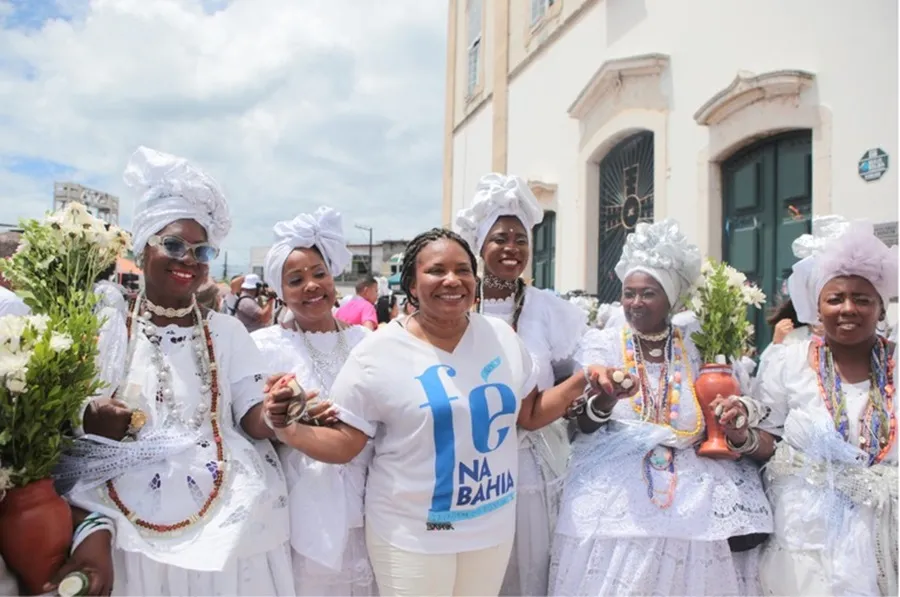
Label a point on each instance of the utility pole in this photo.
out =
(369, 229)
(225, 268)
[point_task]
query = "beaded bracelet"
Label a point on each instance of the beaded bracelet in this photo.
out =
(92, 523)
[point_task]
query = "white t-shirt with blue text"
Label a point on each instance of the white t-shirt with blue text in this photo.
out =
(443, 478)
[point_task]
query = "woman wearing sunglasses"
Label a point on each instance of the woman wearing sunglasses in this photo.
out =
(174, 453)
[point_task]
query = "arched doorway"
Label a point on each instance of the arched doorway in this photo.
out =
(767, 195)
(626, 198)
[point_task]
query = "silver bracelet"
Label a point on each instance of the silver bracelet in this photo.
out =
(598, 417)
(748, 447)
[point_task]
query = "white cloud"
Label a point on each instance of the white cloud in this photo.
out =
(288, 103)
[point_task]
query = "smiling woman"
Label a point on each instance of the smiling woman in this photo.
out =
(155, 446)
(445, 391)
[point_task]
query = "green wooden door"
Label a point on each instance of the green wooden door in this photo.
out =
(767, 193)
(543, 258)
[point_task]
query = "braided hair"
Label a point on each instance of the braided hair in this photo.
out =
(411, 256)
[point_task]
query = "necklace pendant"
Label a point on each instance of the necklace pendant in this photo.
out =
(660, 458)
(655, 352)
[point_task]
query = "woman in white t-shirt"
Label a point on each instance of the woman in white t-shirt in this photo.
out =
(441, 394)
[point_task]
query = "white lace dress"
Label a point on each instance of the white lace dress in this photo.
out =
(611, 539)
(835, 517)
(240, 547)
(326, 500)
(551, 328)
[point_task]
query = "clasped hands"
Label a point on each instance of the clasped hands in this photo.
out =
(278, 398)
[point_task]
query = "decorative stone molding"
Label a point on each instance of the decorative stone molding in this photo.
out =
(544, 192)
(611, 77)
(748, 88)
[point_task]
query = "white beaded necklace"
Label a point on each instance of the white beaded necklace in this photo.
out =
(165, 393)
(326, 365)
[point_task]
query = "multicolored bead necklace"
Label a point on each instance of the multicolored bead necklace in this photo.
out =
(219, 478)
(877, 424)
(661, 407)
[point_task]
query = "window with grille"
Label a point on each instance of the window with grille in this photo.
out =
(543, 258)
(538, 9)
(474, 37)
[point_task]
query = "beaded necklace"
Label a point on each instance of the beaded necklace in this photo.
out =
(877, 424)
(518, 301)
(219, 477)
(661, 407)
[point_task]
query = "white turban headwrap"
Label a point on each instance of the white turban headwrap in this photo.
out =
(858, 252)
(497, 196)
(323, 230)
(172, 189)
(806, 247)
(661, 251)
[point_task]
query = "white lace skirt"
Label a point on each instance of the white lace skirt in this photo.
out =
(355, 579)
(537, 508)
(651, 566)
(264, 574)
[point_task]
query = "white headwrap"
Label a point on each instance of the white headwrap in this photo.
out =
(806, 247)
(497, 196)
(663, 252)
(322, 229)
(172, 189)
(858, 252)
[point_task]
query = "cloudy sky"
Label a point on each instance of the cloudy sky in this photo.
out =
(290, 104)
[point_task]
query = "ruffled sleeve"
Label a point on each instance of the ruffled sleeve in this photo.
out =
(771, 386)
(564, 324)
(246, 369)
(599, 347)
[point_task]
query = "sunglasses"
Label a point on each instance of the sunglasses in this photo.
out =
(177, 248)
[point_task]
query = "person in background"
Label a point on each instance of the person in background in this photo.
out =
(208, 295)
(360, 310)
(247, 308)
(231, 298)
(10, 303)
(387, 309)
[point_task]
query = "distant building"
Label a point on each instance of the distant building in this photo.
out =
(102, 205)
(383, 254)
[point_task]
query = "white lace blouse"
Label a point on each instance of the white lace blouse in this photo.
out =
(312, 483)
(606, 494)
(169, 480)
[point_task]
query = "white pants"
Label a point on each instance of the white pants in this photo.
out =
(403, 573)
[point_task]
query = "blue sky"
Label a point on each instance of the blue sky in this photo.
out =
(289, 104)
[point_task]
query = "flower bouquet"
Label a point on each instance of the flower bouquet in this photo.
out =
(47, 371)
(720, 299)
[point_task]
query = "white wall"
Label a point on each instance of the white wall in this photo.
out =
(851, 49)
(471, 156)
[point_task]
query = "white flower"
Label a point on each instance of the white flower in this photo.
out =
(5, 481)
(706, 268)
(60, 342)
(696, 304)
(39, 322)
(736, 279)
(14, 364)
(11, 329)
(753, 296)
(15, 384)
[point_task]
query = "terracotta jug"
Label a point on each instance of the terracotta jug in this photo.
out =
(35, 533)
(715, 380)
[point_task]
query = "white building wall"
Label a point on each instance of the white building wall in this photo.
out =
(471, 156)
(852, 51)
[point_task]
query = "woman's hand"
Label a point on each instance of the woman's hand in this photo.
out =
(732, 415)
(107, 417)
(782, 329)
(93, 558)
(611, 386)
(321, 413)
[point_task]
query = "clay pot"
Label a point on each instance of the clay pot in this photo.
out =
(35, 533)
(715, 380)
